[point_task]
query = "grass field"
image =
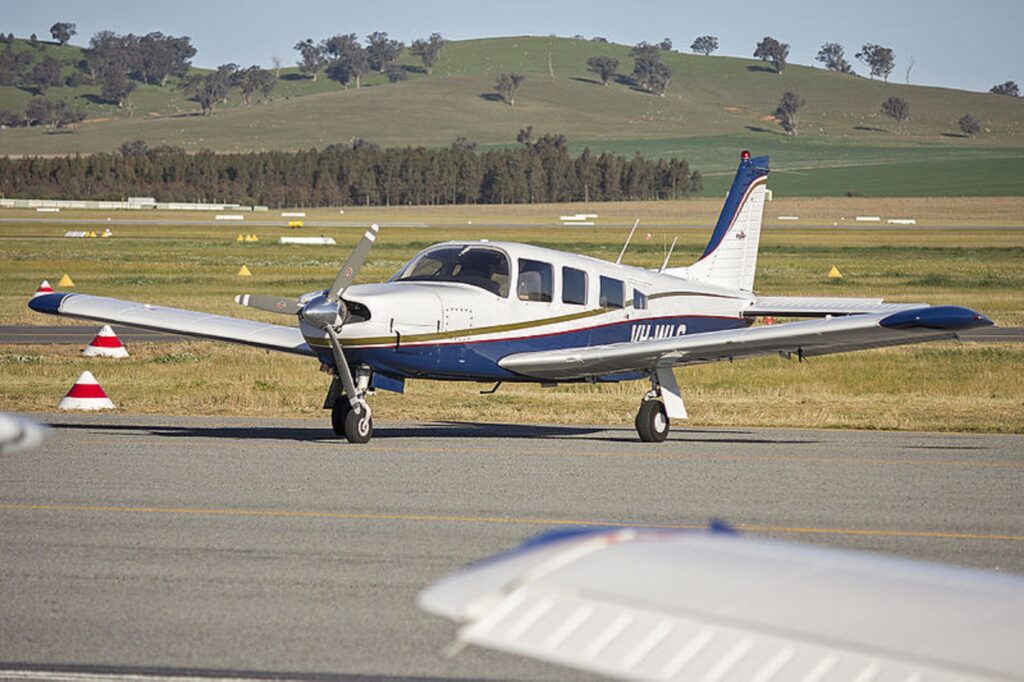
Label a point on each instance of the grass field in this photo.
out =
(714, 107)
(935, 387)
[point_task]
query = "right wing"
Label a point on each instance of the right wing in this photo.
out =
(800, 339)
(655, 604)
(173, 320)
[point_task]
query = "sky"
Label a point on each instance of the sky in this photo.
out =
(970, 45)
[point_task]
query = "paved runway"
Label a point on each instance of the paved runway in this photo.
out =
(81, 335)
(247, 547)
(77, 334)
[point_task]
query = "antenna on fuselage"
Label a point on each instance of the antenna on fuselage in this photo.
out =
(626, 245)
(669, 254)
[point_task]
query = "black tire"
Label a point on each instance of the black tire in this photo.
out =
(358, 429)
(338, 413)
(652, 421)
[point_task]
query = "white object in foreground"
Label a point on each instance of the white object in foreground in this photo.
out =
(868, 218)
(105, 345)
(307, 240)
(229, 216)
(662, 604)
(901, 221)
(76, 233)
(86, 394)
(18, 433)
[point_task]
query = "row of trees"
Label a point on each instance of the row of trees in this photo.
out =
(649, 72)
(345, 60)
(536, 170)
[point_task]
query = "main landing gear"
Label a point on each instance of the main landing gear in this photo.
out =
(352, 419)
(660, 404)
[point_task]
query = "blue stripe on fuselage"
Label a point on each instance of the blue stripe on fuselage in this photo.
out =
(478, 360)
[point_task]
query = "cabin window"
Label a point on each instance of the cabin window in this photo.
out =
(536, 281)
(479, 266)
(613, 293)
(574, 286)
(639, 300)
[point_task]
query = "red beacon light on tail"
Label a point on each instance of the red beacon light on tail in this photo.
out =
(745, 155)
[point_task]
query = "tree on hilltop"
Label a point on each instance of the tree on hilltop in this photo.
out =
(507, 85)
(429, 51)
(252, 80)
(213, 88)
(1009, 89)
(704, 45)
(62, 31)
(880, 60)
(381, 50)
(898, 109)
(833, 57)
(771, 50)
(312, 58)
(604, 67)
(348, 59)
(788, 112)
(649, 72)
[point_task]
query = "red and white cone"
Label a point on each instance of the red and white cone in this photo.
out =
(44, 288)
(105, 345)
(86, 394)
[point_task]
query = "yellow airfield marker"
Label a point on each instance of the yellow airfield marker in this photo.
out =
(65, 281)
(834, 273)
(240, 238)
(244, 272)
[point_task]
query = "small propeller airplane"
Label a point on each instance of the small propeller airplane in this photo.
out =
(509, 312)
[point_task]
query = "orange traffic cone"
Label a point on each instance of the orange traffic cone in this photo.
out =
(86, 394)
(105, 345)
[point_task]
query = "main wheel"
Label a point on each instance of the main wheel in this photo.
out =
(338, 413)
(358, 425)
(652, 422)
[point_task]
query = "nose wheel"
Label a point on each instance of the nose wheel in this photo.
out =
(354, 423)
(652, 421)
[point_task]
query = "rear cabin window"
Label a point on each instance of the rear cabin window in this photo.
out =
(574, 286)
(639, 300)
(612, 293)
(536, 281)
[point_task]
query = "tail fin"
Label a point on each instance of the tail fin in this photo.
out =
(730, 258)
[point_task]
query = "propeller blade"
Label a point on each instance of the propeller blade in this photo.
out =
(272, 304)
(355, 261)
(344, 373)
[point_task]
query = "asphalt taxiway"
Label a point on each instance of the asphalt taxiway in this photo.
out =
(255, 548)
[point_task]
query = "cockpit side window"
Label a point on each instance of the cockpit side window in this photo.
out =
(536, 281)
(479, 266)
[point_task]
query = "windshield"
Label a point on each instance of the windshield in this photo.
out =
(480, 266)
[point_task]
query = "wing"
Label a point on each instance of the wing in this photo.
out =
(185, 322)
(649, 604)
(808, 306)
(802, 339)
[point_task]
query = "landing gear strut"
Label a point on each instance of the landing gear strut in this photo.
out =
(660, 404)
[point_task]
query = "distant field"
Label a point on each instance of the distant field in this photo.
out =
(937, 387)
(714, 107)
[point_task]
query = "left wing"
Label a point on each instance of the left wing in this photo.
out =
(802, 339)
(174, 320)
(655, 604)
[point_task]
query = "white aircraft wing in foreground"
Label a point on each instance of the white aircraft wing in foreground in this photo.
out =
(685, 605)
(798, 339)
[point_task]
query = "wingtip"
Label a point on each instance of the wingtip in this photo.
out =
(47, 303)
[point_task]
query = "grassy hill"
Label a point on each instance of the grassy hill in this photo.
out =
(713, 107)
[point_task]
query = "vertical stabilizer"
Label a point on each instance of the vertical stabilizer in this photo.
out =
(730, 258)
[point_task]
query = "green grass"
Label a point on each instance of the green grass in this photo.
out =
(714, 107)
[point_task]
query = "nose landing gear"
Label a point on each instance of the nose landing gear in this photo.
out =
(352, 419)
